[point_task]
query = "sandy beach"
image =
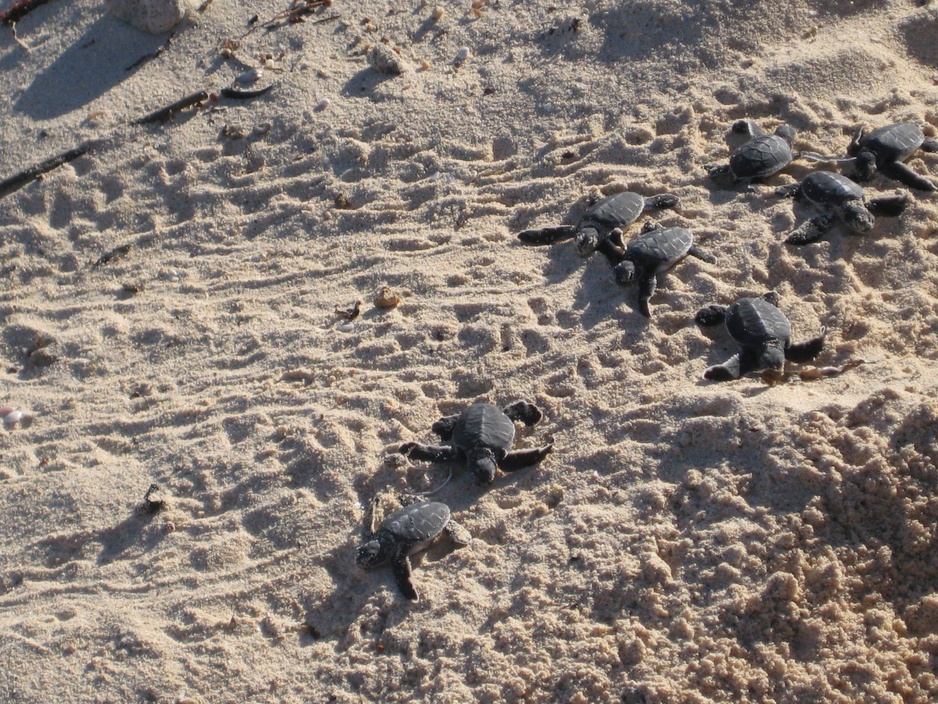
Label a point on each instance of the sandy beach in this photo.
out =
(168, 316)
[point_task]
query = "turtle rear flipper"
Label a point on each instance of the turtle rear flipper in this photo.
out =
(711, 315)
(519, 459)
(547, 235)
(902, 173)
(812, 230)
(524, 412)
(444, 426)
(890, 206)
(807, 350)
(428, 453)
(403, 574)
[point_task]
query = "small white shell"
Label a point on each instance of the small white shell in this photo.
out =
(13, 417)
(463, 54)
(345, 327)
(248, 77)
(323, 104)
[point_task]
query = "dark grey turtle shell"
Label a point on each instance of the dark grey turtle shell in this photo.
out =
(762, 156)
(417, 524)
(620, 210)
(753, 321)
(660, 248)
(484, 425)
(893, 142)
(828, 188)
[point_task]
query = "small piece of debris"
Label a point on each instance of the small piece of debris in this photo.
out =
(151, 505)
(384, 59)
(11, 416)
(825, 372)
(349, 313)
(386, 298)
(463, 54)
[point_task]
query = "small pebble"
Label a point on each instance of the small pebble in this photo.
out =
(153, 16)
(463, 54)
(384, 59)
(386, 298)
(345, 327)
(437, 13)
(323, 104)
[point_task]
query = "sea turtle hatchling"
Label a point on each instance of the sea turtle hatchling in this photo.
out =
(604, 216)
(841, 199)
(651, 253)
(763, 334)
(886, 148)
(763, 155)
(482, 435)
(406, 531)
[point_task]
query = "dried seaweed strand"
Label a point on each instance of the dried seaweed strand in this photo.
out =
(164, 114)
(14, 183)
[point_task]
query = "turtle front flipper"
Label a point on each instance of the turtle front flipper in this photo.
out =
(444, 426)
(524, 412)
(702, 254)
(711, 315)
(646, 289)
(749, 128)
(812, 230)
(610, 250)
(807, 350)
(547, 235)
(733, 368)
(403, 574)
(902, 173)
(889, 206)
(519, 459)
(791, 190)
(428, 453)
(662, 201)
(458, 534)
(718, 170)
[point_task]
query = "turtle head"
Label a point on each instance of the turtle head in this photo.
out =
(370, 554)
(786, 132)
(772, 357)
(865, 164)
(625, 272)
(482, 464)
(587, 240)
(857, 217)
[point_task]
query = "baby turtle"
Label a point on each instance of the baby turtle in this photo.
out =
(482, 435)
(884, 149)
(840, 198)
(763, 155)
(604, 216)
(763, 334)
(651, 253)
(406, 531)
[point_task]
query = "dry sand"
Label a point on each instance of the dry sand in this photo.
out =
(686, 542)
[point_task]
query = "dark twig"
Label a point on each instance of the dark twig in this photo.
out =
(164, 114)
(153, 54)
(19, 9)
(14, 183)
(235, 94)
